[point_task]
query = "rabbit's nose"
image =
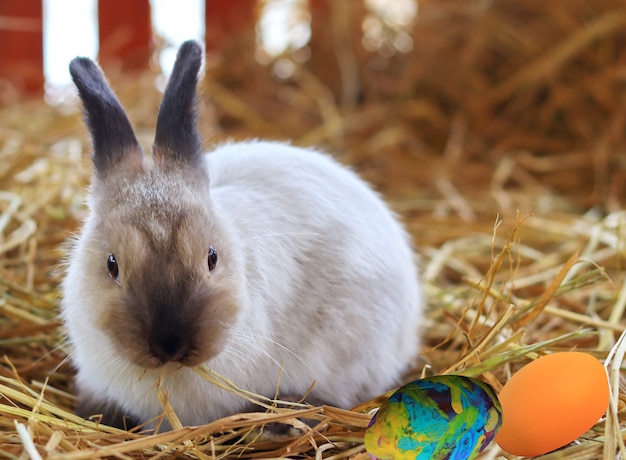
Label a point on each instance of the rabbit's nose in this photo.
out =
(170, 347)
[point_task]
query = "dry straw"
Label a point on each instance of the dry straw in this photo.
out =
(498, 138)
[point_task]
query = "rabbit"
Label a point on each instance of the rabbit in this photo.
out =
(275, 266)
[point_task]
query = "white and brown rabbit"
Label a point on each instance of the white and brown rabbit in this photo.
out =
(264, 261)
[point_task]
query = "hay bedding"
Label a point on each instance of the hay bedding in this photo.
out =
(499, 138)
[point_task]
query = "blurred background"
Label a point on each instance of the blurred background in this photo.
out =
(532, 90)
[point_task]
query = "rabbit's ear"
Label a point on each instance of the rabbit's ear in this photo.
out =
(177, 134)
(111, 132)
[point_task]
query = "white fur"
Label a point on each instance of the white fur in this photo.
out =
(356, 265)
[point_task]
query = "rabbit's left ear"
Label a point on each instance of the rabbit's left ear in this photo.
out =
(112, 134)
(177, 134)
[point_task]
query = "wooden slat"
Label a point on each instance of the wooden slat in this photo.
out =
(125, 33)
(21, 45)
(226, 20)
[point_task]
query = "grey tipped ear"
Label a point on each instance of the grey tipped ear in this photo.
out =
(177, 134)
(111, 132)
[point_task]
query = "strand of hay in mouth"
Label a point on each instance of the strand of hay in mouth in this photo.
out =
(262, 401)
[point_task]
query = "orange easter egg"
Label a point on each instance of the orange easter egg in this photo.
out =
(551, 402)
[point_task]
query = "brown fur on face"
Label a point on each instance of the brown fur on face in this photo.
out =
(165, 306)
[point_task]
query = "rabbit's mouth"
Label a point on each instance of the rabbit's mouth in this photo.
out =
(164, 343)
(172, 351)
(151, 361)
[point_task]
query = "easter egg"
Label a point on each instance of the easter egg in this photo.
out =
(551, 402)
(442, 417)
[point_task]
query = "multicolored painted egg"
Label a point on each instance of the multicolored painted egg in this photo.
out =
(443, 417)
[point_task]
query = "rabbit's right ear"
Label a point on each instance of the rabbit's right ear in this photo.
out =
(111, 132)
(177, 134)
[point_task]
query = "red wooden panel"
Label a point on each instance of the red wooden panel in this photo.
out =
(21, 45)
(125, 33)
(225, 19)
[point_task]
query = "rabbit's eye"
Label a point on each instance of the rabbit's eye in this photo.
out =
(212, 257)
(114, 270)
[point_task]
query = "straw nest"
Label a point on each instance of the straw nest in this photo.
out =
(498, 138)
